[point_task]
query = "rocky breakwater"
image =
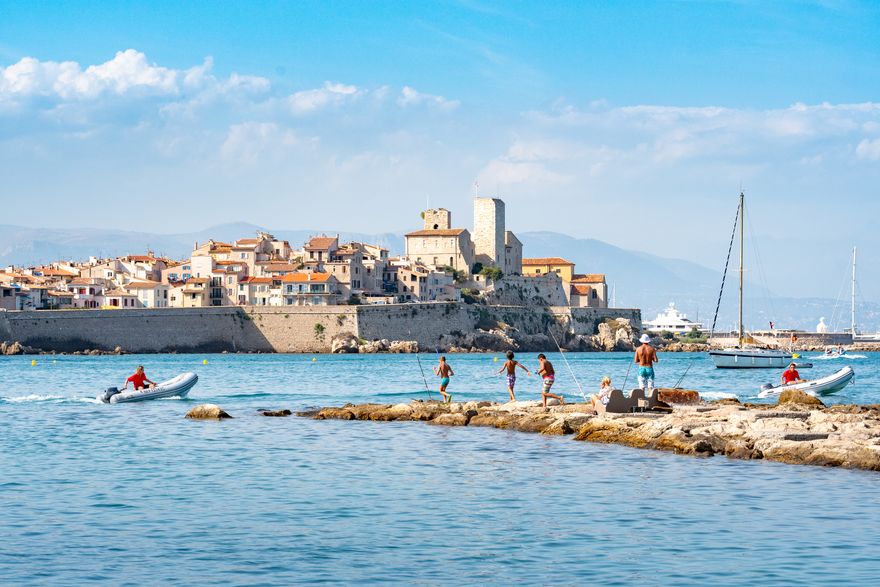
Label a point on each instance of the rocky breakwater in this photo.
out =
(798, 430)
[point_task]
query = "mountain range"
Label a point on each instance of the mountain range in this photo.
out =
(635, 279)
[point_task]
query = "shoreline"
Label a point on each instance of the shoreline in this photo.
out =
(798, 430)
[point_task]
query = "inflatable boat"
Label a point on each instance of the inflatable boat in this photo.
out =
(822, 386)
(176, 387)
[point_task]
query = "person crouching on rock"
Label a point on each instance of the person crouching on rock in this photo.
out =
(549, 376)
(139, 380)
(444, 372)
(511, 366)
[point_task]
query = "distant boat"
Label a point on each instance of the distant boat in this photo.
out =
(672, 321)
(822, 386)
(856, 335)
(741, 356)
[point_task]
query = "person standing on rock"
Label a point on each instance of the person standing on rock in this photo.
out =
(511, 366)
(549, 376)
(645, 357)
(444, 372)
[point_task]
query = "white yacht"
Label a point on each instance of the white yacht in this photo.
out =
(672, 321)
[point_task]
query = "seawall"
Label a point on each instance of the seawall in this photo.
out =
(294, 329)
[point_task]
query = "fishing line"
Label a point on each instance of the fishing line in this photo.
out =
(623, 387)
(424, 379)
(569, 366)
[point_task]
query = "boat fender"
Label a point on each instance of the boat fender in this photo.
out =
(110, 392)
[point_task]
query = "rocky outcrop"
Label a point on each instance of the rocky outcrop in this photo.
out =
(16, 348)
(207, 412)
(790, 432)
(276, 413)
(796, 396)
(344, 342)
(616, 335)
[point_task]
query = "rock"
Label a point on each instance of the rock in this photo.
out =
(399, 412)
(13, 349)
(334, 414)
(678, 396)
(207, 412)
(94, 352)
(403, 346)
(459, 419)
(276, 413)
(364, 411)
(118, 350)
(344, 342)
(796, 396)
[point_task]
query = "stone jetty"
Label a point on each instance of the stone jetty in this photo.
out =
(799, 429)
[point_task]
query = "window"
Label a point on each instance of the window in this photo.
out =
(243, 256)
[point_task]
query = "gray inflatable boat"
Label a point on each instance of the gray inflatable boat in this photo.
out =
(176, 387)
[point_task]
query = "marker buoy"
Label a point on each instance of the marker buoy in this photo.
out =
(204, 361)
(494, 359)
(33, 362)
(314, 360)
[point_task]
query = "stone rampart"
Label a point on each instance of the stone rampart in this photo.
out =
(289, 329)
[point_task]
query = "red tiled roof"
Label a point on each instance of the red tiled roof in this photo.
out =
(437, 232)
(588, 278)
(50, 272)
(547, 261)
(141, 258)
(231, 262)
(581, 290)
(256, 280)
(321, 242)
(142, 285)
(305, 277)
(197, 280)
(83, 281)
(247, 241)
(118, 293)
(278, 267)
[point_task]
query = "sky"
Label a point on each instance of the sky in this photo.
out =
(632, 122)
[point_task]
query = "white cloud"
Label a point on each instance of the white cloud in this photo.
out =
(250, 141)
(412, 97)
(331, 94)
(869, 149)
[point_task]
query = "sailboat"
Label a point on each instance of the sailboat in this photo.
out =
(741, 356)
(856, 335)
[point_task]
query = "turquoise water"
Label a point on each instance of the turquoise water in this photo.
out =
(135, 494)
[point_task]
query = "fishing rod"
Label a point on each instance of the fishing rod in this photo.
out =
(422, 371)
(570, 370)
(623, 387)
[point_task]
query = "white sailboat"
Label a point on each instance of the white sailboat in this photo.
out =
(856, 335)
(741, 356)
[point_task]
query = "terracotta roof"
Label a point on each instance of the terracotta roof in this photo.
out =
(437, 232)
(142, 285)
(118, 293)
(61, 294)
(247, 241)
(50, 272)
(278, 267)
(231, 262)
(83, 281)
(305, 277)
(320, 242)
(193, 291)
(198, 280)
(547, 261)
(141, 258)
(257, 280)
(588, 278)
(581, 290)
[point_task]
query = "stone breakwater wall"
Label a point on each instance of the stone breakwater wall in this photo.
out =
(840, 436)
(302, 329)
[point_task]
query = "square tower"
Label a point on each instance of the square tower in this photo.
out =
(489, 233)
(437, 219)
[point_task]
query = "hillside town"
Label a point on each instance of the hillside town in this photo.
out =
(440, 263)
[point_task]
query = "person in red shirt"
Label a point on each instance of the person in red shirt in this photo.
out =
(791, 375)
(139, 379)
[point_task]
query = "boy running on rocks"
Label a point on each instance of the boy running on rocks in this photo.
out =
(549, 376)
(511, 366)
(444, 371)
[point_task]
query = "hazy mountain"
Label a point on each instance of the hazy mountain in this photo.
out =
(636, 279)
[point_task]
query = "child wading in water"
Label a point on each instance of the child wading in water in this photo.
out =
(511, 366)
(444, 371)
(549, 376)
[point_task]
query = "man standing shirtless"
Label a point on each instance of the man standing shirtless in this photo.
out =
(646, 356)
(444, 371)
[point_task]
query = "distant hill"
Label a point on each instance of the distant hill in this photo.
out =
(638, 279)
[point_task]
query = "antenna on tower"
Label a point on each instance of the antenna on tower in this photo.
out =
(476, 189)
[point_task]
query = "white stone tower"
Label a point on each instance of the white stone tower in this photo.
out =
(489, 232)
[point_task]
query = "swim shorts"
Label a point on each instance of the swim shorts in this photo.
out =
(444, 382)
(548, 383)
(511, 381)
(646, 377)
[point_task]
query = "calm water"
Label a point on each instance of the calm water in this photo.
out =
(135, 494)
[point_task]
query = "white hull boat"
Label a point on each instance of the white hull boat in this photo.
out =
(176, 387)
(822, 386)
(750, 358)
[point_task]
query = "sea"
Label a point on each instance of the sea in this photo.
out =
(135, 494)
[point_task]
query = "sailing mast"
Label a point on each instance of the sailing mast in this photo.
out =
(852, 327)
(742, 239)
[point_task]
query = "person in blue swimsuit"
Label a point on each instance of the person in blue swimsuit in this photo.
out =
(646, 356)
(444, 372)
(511, 366)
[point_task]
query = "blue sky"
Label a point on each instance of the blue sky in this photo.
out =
(630, 122)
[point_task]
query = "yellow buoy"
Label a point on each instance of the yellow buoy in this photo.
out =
(795, 356)
(314, 359)
(204, 361)
(494, 359)
(33, 362)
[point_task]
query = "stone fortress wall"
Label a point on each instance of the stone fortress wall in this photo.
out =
(291, 329)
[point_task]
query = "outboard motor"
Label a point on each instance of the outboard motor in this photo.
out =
(110, 392)
(766, 386)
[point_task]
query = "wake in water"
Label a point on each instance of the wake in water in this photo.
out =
(834, 357)
(55, 399)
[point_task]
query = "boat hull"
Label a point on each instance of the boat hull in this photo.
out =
(750, 359)
(176, 387)
(822, 386)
